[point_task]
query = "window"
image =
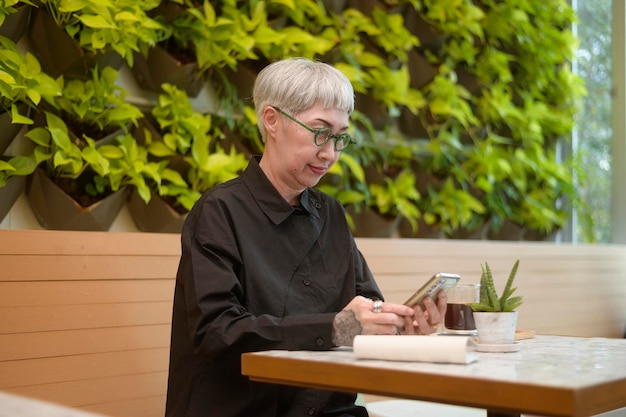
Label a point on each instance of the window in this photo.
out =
(593, 135)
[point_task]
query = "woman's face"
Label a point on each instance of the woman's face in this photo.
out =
(292, 161)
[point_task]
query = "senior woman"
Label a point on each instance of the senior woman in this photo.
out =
(268, 262)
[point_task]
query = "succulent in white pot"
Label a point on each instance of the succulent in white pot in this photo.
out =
(496, 315)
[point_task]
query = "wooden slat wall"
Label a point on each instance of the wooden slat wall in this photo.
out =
(570, 290)
(85, 316)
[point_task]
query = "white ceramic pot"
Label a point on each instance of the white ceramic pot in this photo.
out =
(495, 328)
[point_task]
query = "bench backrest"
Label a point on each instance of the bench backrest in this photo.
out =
(85, 316)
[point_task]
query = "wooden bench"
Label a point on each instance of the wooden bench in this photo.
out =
(85, 316)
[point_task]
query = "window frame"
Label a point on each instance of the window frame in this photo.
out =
(618, 121)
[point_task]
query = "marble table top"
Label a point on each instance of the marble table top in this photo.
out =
(581, 376)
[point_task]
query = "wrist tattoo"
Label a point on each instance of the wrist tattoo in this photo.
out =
(345, 328)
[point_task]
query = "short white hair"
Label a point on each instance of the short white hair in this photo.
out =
(297, 84)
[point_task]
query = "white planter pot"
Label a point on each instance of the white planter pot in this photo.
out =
(495, 328)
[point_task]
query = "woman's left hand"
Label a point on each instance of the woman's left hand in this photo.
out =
(429, 321)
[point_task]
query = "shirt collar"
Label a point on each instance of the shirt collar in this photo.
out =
(269, 199)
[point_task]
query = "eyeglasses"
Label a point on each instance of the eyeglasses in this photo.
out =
(323, 135)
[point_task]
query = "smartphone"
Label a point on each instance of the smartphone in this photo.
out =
(438, 282)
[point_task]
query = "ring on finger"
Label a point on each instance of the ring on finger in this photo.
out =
(377, 306)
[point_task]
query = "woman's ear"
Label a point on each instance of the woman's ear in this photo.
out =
(270, 119)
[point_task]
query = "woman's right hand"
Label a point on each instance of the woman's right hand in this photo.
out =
(360, 317)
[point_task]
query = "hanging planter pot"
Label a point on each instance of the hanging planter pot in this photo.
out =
(157, 216)
(375, 111)
(56, 210)
(509, 231)
(335, 6)
(15, 24)
(13, 173)
(168, 10)
(59, 54)
(242, 80)
(10, 193)
(368, 223)
(161, 67)
(533, 235)
(477, 233)
(422, 72)
(411, 125)
(431, 39)
(423, 231)
(8, 129)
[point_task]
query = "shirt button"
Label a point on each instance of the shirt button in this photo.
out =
(318, 205)
(306, 282)
(319, 341)
(311, 411)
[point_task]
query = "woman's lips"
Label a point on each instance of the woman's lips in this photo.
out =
(318, 170)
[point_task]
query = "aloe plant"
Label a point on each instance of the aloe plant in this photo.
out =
(489, 299)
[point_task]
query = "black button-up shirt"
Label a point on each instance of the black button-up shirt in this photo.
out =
(258, 274)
